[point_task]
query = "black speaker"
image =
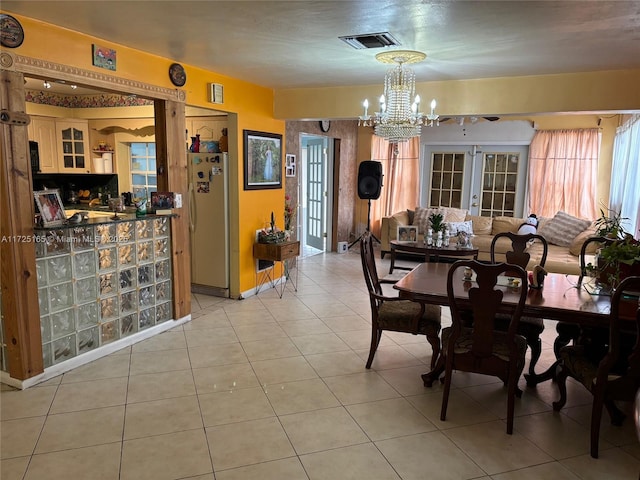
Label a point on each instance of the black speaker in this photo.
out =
(369, 180)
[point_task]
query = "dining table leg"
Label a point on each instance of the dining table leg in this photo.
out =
(549, 374)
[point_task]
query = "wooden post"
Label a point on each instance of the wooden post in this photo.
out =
(19, 285)
(171, 163)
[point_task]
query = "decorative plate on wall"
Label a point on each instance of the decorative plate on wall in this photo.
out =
(11, 33)
(177, 75)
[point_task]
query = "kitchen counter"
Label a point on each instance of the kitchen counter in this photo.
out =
(100, 217)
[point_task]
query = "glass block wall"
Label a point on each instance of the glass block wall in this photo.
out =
(99, 283)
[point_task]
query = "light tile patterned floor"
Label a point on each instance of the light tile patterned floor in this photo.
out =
(270, 388)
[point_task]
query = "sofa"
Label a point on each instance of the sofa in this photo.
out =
(560, 258)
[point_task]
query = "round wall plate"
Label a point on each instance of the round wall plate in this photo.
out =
(11, 32)
(177, 75)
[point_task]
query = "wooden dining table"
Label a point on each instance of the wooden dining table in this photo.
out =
(561, 298)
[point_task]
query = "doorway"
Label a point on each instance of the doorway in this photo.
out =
(487, 180)
(315, 189)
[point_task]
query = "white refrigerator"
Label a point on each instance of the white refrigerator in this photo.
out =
(209, 222)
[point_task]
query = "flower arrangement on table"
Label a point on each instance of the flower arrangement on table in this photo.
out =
(289, 212)
(272, 234)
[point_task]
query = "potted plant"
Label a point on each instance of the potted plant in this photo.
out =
(436, 220)
(619, 260)
(610, 224)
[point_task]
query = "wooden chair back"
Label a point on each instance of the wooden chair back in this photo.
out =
(624, 305)
(480, 347)
(367, 255)
(584, 251)
(482, 302)
(519, 255)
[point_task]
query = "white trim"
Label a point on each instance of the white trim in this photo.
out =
(92, 355)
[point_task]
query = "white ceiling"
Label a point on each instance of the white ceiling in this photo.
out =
(283, 44)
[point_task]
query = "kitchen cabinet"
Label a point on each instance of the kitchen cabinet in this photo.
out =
(74, 155)
(43, 131)
(209, 128)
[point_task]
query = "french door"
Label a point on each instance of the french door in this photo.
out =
(487, 180)
(316, 193)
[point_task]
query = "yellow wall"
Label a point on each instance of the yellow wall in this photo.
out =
(253, 105)
(573, 92)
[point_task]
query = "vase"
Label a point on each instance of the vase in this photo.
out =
(195, 144)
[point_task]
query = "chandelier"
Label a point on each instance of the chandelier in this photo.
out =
(399, 118)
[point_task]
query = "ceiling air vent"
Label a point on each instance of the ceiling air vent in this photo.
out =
(370, 40)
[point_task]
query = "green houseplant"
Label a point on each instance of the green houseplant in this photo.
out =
(436, 221)
(618, 260)
(610, 224)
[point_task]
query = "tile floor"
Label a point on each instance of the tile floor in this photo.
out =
(270, 388)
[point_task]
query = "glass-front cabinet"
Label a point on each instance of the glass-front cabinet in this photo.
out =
(73, 146)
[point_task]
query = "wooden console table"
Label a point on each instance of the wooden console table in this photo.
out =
(285, 253)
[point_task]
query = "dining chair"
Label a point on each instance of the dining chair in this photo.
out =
(530, 327)
(481, 347)
(610, 375)
(395, 314)
(568, 332)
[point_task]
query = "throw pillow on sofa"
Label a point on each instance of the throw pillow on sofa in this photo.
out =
(456, 227)
(452, 214)
(421, 217)
(563, 228)
(481, 225)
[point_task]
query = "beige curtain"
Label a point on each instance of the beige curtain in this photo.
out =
(401, 180)
(563, 167)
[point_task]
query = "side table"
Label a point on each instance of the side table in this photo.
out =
(286, 253)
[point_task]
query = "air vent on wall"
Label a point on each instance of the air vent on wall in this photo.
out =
(370, 40)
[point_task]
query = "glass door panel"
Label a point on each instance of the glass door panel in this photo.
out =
(447, 179)
(499, 185)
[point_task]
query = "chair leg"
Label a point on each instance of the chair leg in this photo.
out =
(429, 377)
(535, 345)
(596, 418)
(511, 397)
(447, 387)
(561, 380)
(434, 340)
(376, 335)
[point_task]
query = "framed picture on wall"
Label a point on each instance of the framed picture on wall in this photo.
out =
(50, 206)
(290, 165)
(262, 160)
(103, 57)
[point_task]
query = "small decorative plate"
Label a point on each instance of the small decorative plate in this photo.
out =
(177, 75)
(11, 33)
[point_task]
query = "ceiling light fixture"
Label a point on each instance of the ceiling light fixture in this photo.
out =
(46, 84)
(399, 118)
(73, 87)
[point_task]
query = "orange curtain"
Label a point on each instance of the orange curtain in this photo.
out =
(401, 178)
(563, 167)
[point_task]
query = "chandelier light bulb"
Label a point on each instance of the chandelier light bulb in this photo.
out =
(433, 105)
